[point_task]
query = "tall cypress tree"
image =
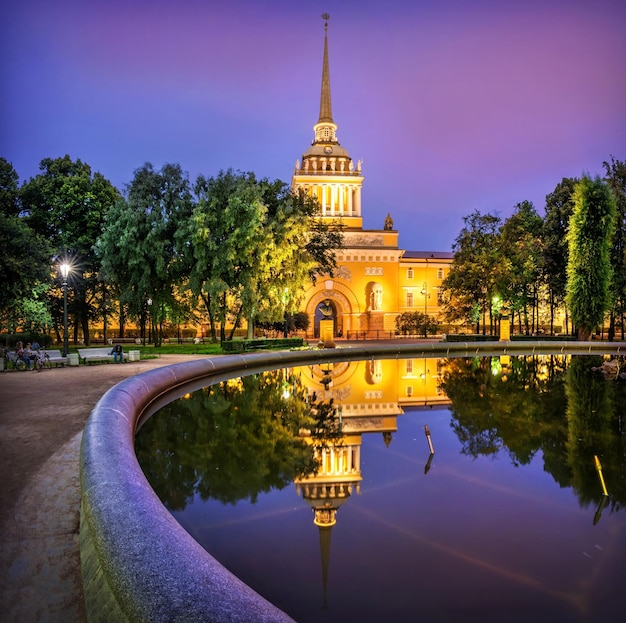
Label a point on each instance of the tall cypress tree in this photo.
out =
(589, 271)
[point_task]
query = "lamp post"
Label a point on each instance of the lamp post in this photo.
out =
(285, 301)
(65, 271)
(426, 297)
(149, 320)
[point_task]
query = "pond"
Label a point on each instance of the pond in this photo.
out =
(409, 489)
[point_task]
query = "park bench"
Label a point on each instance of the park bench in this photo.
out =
(90, 355)
(54, 356)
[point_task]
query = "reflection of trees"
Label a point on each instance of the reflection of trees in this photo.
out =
(533, 405)
(595, 416)
(499, 409)
(229, 442)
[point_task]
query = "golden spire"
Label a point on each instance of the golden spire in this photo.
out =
(326, 113)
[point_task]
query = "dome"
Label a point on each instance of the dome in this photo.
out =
(325, 150)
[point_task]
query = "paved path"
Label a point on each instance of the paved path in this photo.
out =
(42, 415)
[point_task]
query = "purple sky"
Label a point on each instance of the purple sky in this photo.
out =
(452, 105)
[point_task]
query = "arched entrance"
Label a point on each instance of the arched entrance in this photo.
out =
(327, 310)
(334, 302)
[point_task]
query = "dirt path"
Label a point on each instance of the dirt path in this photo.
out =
(42, 415)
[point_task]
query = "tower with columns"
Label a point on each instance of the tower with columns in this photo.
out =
(326, 170)
(375, 280)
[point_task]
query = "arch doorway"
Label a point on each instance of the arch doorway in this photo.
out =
(328, 310)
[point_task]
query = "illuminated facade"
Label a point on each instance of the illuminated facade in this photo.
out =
(375, 280)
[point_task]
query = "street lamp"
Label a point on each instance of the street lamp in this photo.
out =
(285, 301)
(426, 297)
(149, 320)
(65, 271)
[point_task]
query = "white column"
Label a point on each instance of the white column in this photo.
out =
(350, 204)
(357, 201)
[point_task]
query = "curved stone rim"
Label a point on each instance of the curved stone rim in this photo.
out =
(138, 563)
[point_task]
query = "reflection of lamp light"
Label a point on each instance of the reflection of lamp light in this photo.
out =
(599, 470)
(65, 271)
(428, 463)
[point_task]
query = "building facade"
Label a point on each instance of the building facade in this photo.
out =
(375, 280)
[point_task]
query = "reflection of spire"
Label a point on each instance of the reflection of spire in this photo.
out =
(325, 534)
(325, 492)
(325, 501)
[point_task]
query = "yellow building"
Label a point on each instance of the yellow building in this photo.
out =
(375, 279)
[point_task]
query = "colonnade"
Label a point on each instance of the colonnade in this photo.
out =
(337, 199)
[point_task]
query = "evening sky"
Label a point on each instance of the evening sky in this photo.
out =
(453, 106)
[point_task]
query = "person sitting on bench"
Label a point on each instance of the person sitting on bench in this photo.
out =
(118, 352)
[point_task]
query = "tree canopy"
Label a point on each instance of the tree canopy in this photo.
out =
(255, 247)
(141, 247)
(66, 204)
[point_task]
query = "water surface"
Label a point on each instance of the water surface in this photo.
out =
(505, 521)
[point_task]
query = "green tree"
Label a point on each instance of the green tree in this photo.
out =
(24, 258)
(142, 248)
(228, 240)
(589, 269)
(559, 209)
(9, 189)
(521, 255)
(255, 247)
(616, 179)
(24, 266)
(473, 276)
(416, 323)
(66, 204)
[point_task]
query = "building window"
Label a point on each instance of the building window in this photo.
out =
(409, 390)
(409, 273)
(409, 299)
(409, 367)
(440, 274)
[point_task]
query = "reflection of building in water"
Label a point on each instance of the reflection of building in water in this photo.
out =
(369, 396)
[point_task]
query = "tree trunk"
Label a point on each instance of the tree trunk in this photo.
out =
(105, 316)
(551, 313)
(122, 320)
(235, 324)
(84, 321)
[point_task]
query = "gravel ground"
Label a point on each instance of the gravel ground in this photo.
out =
(41, 421)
